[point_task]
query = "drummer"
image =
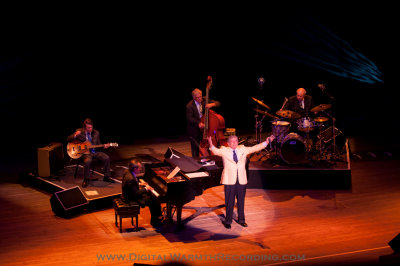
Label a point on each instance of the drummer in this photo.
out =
(300, 103)
(301, 121)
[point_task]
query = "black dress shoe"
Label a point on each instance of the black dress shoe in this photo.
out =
(227, 226)
(85, 183)
(243, 224)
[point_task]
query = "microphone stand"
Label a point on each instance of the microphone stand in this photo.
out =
(323, 89)
(259, 123)
(258, 128)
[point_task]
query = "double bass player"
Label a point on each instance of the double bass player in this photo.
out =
(195, 110)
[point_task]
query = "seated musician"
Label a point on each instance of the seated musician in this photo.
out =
(87, 133)
(300, 103)
(138, 191)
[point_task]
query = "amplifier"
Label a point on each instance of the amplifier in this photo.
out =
(50, 159)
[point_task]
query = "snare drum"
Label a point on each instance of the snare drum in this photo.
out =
(305, 124)
(280, 129)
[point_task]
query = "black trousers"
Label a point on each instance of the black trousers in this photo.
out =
(154, 206)
(88, 160)
(195, 140)
(232, 192)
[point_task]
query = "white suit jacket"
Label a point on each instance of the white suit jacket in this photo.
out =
(233, 169)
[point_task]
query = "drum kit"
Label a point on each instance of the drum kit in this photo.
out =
(293, 144)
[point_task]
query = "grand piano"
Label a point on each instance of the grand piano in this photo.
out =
(180, 178)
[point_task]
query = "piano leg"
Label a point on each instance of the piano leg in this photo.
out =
(169, 214)
(179, 223)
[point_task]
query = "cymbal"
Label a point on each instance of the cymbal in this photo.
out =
(321, 107)
(288, 114)
(261, 103)
(320, 119)
(265, 113)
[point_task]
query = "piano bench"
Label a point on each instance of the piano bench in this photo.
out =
(125, 210)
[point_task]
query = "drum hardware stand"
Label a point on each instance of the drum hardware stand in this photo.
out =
(334, 140)
(308, 144)
(258, 129)
(275, 158)
(333, 100)
(333, 157)
(320, 125)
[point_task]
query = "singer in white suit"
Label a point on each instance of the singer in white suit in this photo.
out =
(234, 177)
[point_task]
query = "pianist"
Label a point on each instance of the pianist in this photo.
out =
(138, 191)
(234, 176)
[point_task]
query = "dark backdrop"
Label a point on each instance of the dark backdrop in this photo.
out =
(134, 82)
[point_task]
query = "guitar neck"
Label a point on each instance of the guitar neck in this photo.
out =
(95, 146)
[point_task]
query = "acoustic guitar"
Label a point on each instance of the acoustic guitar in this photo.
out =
(76, 149)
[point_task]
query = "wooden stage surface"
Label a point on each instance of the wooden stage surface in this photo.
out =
(286, 227)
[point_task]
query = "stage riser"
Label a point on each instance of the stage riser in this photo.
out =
(299, 179)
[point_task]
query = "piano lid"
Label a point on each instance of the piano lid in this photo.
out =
(185, 163)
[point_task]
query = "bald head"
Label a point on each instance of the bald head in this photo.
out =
(300, 93)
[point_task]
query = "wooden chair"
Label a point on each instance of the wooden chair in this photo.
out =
(125, 210)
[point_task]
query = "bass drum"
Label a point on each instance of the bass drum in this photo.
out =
(293, 149)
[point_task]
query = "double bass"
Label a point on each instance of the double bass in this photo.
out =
(214, 126)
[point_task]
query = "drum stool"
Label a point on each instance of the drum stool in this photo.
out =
(125, 210)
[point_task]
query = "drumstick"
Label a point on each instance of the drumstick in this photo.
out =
(284, 102)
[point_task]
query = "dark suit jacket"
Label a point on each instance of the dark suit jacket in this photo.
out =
(294, 105)
(193, 118)
(131, 190)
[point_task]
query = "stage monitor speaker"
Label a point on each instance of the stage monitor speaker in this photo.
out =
(395, 244)
(68, 201)
(50, 159)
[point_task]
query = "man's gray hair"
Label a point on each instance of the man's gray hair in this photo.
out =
(196, 91)
(232, 136)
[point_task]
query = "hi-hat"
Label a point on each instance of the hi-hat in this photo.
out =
(320, 119)
(261, 103)
(288, 114)
(265, 113)
(321, 107)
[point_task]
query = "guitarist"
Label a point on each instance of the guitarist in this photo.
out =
(194, 111)
(87, 133)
